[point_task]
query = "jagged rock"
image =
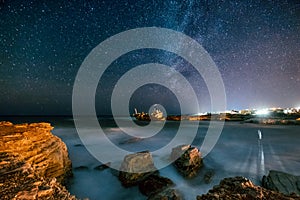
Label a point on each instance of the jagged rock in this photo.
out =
(154, 184)
(188, 160)
(238, 188)
(46, 153)
(135, 168)
(167, 194)
(19, 181)
(282, 182)
(33, 162)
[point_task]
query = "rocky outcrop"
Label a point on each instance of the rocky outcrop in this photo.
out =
(33, 162)
(46, 153)
(154, 184)
(239, 188)
(135, 168)
(282, 182)
(188, 160)
(139, 169)
(167, 194)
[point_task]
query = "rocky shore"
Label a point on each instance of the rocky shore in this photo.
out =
(240, 188)
(33, 163)
(282, 182)
(188, 161)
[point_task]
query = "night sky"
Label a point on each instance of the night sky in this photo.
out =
(255, 45)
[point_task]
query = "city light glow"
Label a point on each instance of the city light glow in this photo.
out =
(264, 111)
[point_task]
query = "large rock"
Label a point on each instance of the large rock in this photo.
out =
(188, 160)
(135, 168)
(167, 194)
(239, 188)
(282, 182)
(154, 184)
(32, 162)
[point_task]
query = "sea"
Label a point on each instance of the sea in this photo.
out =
(243, 149)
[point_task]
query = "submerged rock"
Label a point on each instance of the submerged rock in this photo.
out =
(238, 188)
(154, 184)
(103, 166)
(167, 194)
(33, 162)
(135, 168)
(208, 176)
(188, 160)
(282, 182)
(80, 168)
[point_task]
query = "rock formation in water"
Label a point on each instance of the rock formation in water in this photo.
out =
(154, 184)
(240, 188)
(282, 182)
(167, 194)
(188, 160)
(33, 162)
(139, 169)
(135, 168)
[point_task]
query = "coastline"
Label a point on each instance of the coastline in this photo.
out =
(169, 172)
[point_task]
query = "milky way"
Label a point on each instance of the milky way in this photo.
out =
(255, 45)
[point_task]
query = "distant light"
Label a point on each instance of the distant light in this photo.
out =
(200, 114)
(262, 112)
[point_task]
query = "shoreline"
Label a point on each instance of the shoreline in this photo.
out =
(82, 170)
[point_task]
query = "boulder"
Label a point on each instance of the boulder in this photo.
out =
(135, 168)
(167, 194)
(33, 162)
(154, 184)
(188, 160)
(240, 188)
(282, 182)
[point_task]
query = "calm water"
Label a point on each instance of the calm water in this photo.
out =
(238, 152)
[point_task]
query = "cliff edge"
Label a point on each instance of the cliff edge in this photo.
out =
(33, 162)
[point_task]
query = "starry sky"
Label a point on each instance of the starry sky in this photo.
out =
(255, 45)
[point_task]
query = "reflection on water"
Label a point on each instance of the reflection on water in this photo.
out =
(260, 156)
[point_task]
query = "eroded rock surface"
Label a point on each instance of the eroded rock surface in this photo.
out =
(282, 182)
(135, 168)
(154, 184)
(167, 194)
(188, 160)
(239, 188)
(139, 169)
(33, 162)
